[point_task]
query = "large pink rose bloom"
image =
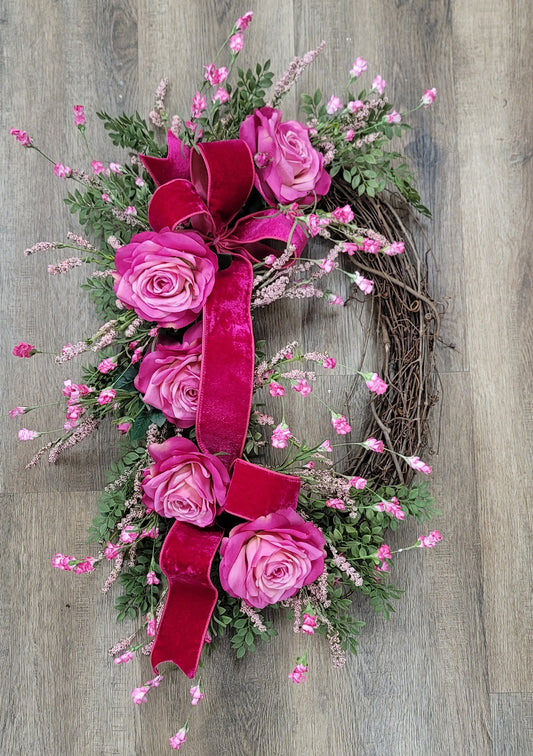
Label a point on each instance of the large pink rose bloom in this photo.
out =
(169, 377)
(165, 277)
(288, 168)
(185, 483)
(271, 558)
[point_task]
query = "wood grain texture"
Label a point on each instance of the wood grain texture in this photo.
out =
(451, 672)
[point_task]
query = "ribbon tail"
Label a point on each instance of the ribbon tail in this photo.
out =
(186, 558)
(226, 382)
(255, 491)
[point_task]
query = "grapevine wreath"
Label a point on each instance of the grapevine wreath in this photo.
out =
(193, 235)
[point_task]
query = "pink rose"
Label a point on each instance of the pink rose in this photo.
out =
(271, 558)
(165, 277)
(289, 168)
(185, 483)
(169, 377)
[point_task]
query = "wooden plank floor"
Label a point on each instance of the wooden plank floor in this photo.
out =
(451, 672)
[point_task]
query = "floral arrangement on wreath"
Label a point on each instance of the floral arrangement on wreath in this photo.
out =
(191, 238)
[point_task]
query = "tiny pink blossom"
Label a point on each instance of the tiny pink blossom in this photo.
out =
(343, 214)
(199, 103)
(430, 540)
(309, 624)
(365, 284)
(327, 265)
(394, 117)
(150, 625)
(28, 435)
(329, 362)
(221, 95)
(62, 171)
(178, 739)
(139, 181)
(417, 464)
(16, 411)
(371, 246)
(334, 105)
(384, 552)
(310, 465)
(153, 331)
(105, 197)
(215, 75)
(236, 43)
(115, 167)
(375, 383)
(152, 533)
(106, 365)
(276, 389)
(244, 21)
(97, 166)
(350, 248)
(280, 436)
(79, 115)
(106, 396)
(325, 446)
(379, 83)
(129, 534)
(396, 248)
(21, 137)
(124, 658)
(359, 66)
(341, 425)
(391, 507)
(152, 579)
(335, 504)
(357, 482)
(428, 97)
(130, 210)
(86, 566)
(355, 105)
(62, 562)
(123, 427)
(374, 445)
(22, 349)
(136, 356)
(315, 223)
(196, 694)
(334, 299)
(111, 551)
(270, 259)
(349, 135)
(302, 387)
(298, 673)
(139, 695)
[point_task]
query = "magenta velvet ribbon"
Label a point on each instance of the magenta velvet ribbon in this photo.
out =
(221, 179)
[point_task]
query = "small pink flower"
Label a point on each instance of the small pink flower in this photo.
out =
(394, 117)
(309, 624)
(106, 396)
(375, 383)
(123, 427)
(357, 482)
(196, 694)
(178, 739)
(298, 673)
(236, 43)
(62, 562)
(22, 349)
(276, 389)
(139, 695)
(384, 552)
(340, 424)
(349, 135)
(280, 436)
(136, 356)
(315, 223)
(329, 362)
(244, 21)
(325, 446)
(86, 566)
(18, 411)
(334, 105)
(371, 246)
(199, 103)
(391, 507)
(130, 210)
(150, 625)
(379, 83)
(21, 137)
(221, 95)
(214, 75)
(62, 171)
(124, 658)
(365, 284)
(139, 181)
(355, 105)
(79, 115)
(431, 540)
(417, 464)
(396, 248)
(105, 197)
(129, 534)
(152, 533)
(428, 97)
(111, 551)
(374, 445)
(359, 66)
(335, 504)
(28, 435)
(270, 259)
(106, 366)
(97, 166)
(152, 579)
(153, 331)
(327, 265)
(334, 299)
(310, 465)
(303, 388)
(115, 167)
(343, 214)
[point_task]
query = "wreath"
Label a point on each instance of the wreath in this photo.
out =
(193, 239)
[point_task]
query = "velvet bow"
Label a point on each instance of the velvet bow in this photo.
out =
(221, 179)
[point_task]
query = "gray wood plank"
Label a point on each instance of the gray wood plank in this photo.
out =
(512, 723)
